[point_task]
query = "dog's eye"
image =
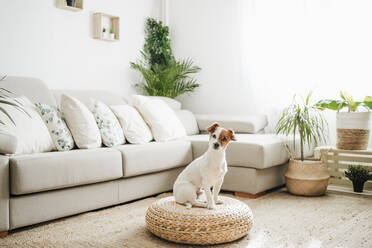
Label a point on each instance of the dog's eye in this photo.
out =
(214, 136)
(224, 140)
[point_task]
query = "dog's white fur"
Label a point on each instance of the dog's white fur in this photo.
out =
(205, 172)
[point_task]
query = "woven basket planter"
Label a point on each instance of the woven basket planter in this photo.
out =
(308, 178)
(171, 221)
(353, 130)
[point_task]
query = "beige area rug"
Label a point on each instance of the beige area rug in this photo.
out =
(281, 220)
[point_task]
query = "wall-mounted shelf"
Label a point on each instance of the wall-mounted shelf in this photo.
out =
(62, 4)
(102, 20)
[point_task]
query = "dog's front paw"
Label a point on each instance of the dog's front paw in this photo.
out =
(211, 206)
(218, 201)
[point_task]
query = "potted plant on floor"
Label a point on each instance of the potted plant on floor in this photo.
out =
(358, 175)
(162, 73)
(352, 126)
(304, 176)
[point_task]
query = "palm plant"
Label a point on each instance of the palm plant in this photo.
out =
(162, 74)
(7, 98)
(306, 120)
(171, 81)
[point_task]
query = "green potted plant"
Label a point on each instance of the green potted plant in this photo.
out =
(70, 3)
(104, 33)
(162, 74)
(112, 34)
(353, 126)
(358, 175)
(304, 176)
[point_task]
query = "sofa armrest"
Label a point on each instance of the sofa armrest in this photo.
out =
(4, 193)
(239, 123)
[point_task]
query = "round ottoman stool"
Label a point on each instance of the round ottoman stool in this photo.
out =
(171, 221)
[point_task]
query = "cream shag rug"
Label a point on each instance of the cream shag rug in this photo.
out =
(280, 220)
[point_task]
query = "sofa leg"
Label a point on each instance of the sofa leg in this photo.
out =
(3, 234)
(248, 195)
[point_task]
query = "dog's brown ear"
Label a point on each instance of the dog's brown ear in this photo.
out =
(231, 134)
(212, 128)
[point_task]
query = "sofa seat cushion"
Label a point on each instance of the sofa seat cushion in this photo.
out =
(55, 170)
(151, 157)
(250, 150)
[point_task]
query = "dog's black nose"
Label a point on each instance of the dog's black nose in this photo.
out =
(216, 145)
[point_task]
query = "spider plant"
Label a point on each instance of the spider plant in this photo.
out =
(304, 119)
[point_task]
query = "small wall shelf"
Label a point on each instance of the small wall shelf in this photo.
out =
(62, 4)
(102, 20)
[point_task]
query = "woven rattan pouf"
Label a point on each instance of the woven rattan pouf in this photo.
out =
(171, 221)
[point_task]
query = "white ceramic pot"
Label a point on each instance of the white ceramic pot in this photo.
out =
(353, 130)
(112, 36)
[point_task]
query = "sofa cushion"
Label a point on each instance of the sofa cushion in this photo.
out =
(250, 150)
(85, 97)
(26, 130)
(172, 103)
(164, 123)
(134, 127)
(188, 120)
(54, 170)
(154, 156)
(239, 123)
(81, 123)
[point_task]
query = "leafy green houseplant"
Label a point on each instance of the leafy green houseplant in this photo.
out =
(112, 33)
(353, 125)
(358, 175)
(163, 75)
(303, 120)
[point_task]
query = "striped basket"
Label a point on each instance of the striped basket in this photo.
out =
(171, 221)
(352, 139)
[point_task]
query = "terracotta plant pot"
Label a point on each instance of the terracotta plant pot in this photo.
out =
(308, 177)
(353, 130)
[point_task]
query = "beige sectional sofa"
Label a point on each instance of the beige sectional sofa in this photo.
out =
(45, 186)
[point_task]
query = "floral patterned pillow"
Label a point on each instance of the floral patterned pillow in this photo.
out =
(108, 124)
(57, 127)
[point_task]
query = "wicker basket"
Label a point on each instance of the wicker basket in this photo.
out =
(171, 221)
(307, 177)
(352, 139)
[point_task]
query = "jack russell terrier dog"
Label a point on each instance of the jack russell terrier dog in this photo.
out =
(205, 172)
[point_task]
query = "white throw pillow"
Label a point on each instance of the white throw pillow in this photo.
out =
(30, 132)
(160, 117)
(81, 123)
(57, 127)
(134, 127)
(108, 124)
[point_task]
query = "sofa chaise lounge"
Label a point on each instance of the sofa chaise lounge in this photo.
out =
(39, 187)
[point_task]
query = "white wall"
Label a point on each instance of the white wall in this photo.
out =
(37, 39)
(255, 54)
